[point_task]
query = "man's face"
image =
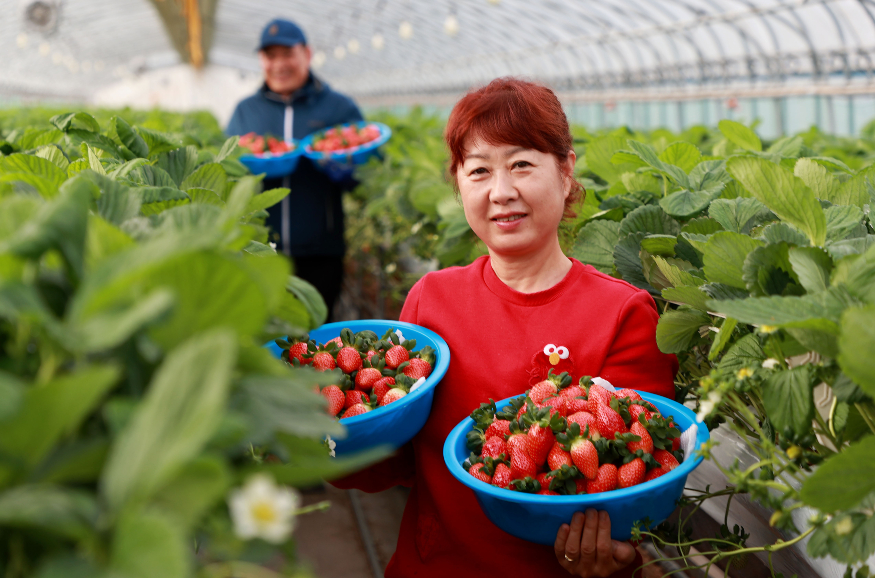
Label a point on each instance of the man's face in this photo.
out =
(285, 67)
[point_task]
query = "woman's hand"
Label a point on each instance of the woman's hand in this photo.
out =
(585, 547)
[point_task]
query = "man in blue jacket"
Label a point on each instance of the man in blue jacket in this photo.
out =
(292, 103)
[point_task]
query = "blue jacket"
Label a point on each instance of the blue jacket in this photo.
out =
(310, 220)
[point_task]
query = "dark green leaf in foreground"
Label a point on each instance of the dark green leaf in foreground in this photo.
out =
(649, 219)
(787, 396)
(767, 270)
(856, 345)
(149, 544)
(685, 203)
(64, 512)
(312, 300)
(129, 138)
(737, 215)
(777, 310)
(627, 260)
(175, 419)
(595, 244)
(266, 199)
(842, 480)
(692, 296)
(75, 119)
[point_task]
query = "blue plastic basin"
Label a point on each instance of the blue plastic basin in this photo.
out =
(396, 423)
(537, 518)
(352, 156)
(274, 166)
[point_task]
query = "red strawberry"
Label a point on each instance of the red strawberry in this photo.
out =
(608, 422)
(543, 492)
(573, 391)
(605, 481)
(654, 473)
(581, 485)
(598, 396)
(522, 465)
(544, 478)
(297, 351)
(494, 447)
(336, 340)
(630, 393)
(392, 395)
(499, 427)
(353, 397)
(631, 474)
(381, 386)
(417, 368)
(575, 405)
(636, 409)
(675, 444)
(349, 360)
(355, 410)
(668, 461)
(481, 472)
(367, 377)
(517, 441)
(557, 403)
(396, 355)
(558, 456)
(583, 419)
(502, 476)
(540, 440)
(585, 457)
(335, 398)
(323, 361)
(646, 442)
(542, 391)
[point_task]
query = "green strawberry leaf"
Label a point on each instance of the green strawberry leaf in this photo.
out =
(724, 256)
(740, 135)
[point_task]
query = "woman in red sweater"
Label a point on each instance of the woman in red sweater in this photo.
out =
(512, 162)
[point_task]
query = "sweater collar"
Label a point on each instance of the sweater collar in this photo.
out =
(501, 290)
(313, 86)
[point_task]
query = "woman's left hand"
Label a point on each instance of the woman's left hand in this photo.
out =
(585, 548)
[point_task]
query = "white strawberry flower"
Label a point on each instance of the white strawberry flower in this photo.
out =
(416, 384)
(708, 405)
(770, 363)
(330, 444)
(263, 509)
(272, 245)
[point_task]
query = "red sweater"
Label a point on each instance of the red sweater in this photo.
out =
(497, 336)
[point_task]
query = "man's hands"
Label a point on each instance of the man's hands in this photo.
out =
(585, 547)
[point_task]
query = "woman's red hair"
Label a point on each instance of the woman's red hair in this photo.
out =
(514, 112)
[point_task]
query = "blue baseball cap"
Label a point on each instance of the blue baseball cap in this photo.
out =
(281, 32)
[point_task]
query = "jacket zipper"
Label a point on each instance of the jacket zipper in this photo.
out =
(285, 231)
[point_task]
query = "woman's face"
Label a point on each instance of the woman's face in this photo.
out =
(513, 197)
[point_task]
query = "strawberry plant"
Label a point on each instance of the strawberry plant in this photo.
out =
(761, 259)
(136, 293)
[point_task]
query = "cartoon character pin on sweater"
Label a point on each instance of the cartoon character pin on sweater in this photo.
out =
(551, 357)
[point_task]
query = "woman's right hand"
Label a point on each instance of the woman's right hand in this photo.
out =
(584, 548)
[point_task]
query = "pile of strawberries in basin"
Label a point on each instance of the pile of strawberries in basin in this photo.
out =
(376, 371)
(260, 145)
(345, 137)
(563, 438)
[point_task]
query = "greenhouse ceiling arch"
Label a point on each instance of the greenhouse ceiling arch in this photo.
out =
(400, 50)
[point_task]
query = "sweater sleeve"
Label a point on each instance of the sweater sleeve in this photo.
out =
(399, 469)
(634, 360)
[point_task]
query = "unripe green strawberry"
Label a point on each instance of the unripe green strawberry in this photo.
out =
(335, 398)
(605, 481)
(631, 474)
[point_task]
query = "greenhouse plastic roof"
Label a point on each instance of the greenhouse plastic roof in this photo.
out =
(367, 48)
